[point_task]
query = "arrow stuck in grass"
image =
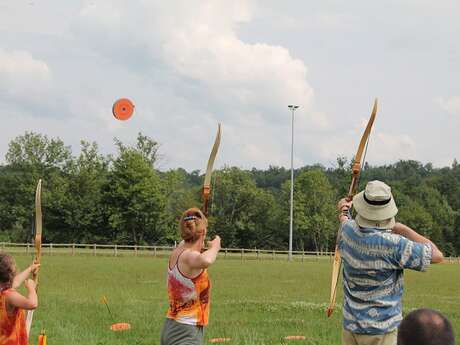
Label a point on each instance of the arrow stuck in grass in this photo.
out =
(115, 326)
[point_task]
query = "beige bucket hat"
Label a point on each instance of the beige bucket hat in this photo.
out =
(375, 206)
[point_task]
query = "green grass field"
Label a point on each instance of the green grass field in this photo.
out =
(253, 302)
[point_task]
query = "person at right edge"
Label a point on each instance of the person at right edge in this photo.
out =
(375, 251)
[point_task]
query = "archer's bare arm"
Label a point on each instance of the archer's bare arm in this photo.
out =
(16, 300)
(412, 235)
(22, 276)
(203, 260)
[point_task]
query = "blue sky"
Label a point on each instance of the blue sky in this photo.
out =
(188, 65)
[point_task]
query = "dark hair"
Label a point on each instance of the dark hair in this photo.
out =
(7, 270)
(425, 327)
(192, 224)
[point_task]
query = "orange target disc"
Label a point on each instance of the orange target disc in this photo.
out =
(219, 340)
(120, 326)
(295, 337)
(123, 109)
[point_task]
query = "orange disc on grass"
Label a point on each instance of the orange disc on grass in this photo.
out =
(295, 337)
(120, 326)
(219, 340)
(123, 109)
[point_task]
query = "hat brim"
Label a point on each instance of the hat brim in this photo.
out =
(376, 224)
(374, 212)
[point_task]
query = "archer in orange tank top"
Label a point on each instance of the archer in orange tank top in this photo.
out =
(188, 282)
(188, 297)
(12, 303)
(12, 326)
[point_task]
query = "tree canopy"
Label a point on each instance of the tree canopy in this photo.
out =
(124, 198)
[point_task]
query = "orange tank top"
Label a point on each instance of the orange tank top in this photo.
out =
(189, 298)
(12, 326)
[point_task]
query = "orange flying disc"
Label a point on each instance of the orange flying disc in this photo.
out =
(123, 109)
(120, 326)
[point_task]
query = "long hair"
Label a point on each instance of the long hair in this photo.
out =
(7, 270)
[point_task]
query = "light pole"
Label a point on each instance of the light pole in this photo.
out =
(293, 109)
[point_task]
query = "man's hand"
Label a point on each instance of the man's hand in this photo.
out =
(344, 205)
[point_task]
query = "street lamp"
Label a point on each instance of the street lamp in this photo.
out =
(293, 109)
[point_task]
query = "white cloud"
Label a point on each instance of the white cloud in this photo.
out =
(190, 64)
(201, 43)
(208, 75)
(391, 147)
(23, 78)
(450, 105)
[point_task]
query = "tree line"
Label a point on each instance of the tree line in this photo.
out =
(125, 199)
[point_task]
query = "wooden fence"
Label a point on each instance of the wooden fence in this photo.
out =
(74, 249)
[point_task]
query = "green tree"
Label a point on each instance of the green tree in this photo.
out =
(135, 198)
(242, 214)
(79, 208)
(315, 221)
(38, 151)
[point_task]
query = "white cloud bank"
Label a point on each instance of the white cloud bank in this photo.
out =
(22, 77)
(450, 105)
(214, 76)
(189, 64)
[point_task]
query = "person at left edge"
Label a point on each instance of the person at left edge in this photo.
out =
(12, 303)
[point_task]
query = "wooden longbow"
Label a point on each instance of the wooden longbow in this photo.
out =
(38, 244)
(207, 179)
(356, 171)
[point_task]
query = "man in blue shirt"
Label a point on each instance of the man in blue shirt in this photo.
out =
(375, 250)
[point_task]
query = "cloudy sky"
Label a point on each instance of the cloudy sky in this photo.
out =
(188, 65)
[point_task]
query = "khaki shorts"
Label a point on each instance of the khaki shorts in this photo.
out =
(349, 338)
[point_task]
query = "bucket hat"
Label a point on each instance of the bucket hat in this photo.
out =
(375, 206)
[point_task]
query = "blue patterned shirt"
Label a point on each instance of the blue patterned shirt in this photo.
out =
(373, 263)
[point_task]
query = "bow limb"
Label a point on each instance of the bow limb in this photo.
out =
(207, 178)
(38, 244)
(356, 171)
(356, 168)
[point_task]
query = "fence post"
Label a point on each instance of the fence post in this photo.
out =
(115, 250)
(27, 248)
(155, 251)
(242, 253)
(303, 255)
(135, 250)
(73, 249)
(94, 249)
(225, 256)
(258, 251)
(273, 254)
(51, 249)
